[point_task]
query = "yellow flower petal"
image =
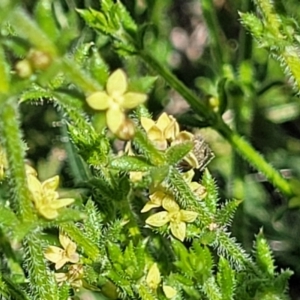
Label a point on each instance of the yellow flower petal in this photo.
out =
(153, 277)
(147, 123)
(169, 291)
(114, 118)
(158, 219)
(47, 212)
(99, 100)
(163, 121)
(35, 188)
(184, 136)
(170, 205)
(54, 254)
(157, 197)
(149, 205)
(172, 130)
(51, 183)
(61, 263)
(191, 160)
(64, 240)
(30, 170)
(188, 216)
(116, 83)
(59, 203)
(132, 100)
(178, 229)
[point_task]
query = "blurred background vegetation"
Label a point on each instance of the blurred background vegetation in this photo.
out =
(266, 110)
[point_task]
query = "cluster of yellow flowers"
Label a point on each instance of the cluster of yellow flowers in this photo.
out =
(61, 256)
(153, 281)
(163, 133)
(115, 101)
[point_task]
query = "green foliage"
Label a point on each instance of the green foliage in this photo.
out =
(128, 220)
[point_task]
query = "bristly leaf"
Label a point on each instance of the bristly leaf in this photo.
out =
(264, 257)
(81, 240)
(211, 289)
(44, 16)
(177, 152)
(232, 251)
(39, 274)
(98, 68)
(212, 192)
(142, 84)
(226, 279)
(93, 222)
(4, 73)
(130, 163)
(142, 143)
(225, 214)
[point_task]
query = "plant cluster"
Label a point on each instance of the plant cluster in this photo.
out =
(143, 220)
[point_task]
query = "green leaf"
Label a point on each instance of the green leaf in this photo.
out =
(124, 17)
(44, 16)
(81, 240)
(263, 254)
(253, 24)
(30, 30)
(147, 148)
(131, 163)
(226, 279)
(226, 213)
(159, 174)
(95, 19)
(142, 84)
(4, 73)
(114, 253)
(177, 152)
(98, 67)
(211, 289)
(42, 280)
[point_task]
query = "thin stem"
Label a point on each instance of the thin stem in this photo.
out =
(257, 160)
(200, 108)
(216, 42)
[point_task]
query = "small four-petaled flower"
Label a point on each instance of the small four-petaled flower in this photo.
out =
(61, 256)
(115, 100)
(176, 217)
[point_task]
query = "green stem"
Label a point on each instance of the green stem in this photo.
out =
(12, 141)
(199, 107)
(257, 160)
(216, 42)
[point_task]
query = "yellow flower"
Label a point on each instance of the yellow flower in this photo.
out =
(44, 196)
(115, 100)
(156, 200)
(153, 277)
(175, 216)
(61, 256)
(73, 276)
(162, 131)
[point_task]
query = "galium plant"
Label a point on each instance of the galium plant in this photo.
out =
(144, 226)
